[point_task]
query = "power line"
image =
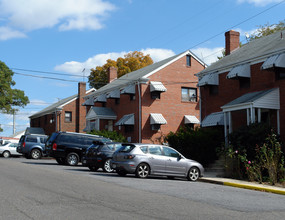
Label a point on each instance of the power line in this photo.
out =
(45, 77)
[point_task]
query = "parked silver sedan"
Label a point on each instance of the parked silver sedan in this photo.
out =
(8, 150)
(146, 159)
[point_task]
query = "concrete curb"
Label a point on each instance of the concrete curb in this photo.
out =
(270, 189)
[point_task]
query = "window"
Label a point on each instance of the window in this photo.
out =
(189, 94)
(156, 150)
(244, 82)
(213, 90)
(31, 139)
(280, 73)
(155, 95)
(117, 101)
(188, 60)
(170, 152)
(132, 97)
(144, 149)
(155, 127)
(68, 116)
(129, 128)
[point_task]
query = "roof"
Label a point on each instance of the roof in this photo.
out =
(214, 119)
(101, 112)
(58, 105)
(255, 51)
(141, 74)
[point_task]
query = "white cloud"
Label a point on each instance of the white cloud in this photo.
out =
(208, 55)
(28, 15)
(38, 102)
(259, 2)
(76, 68)
(8, 33)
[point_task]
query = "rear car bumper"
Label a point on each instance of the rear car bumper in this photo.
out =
(96, 162)
(128, 166)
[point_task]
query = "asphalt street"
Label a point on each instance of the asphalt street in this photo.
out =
(41, 189)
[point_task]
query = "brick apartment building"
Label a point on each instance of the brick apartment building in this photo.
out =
(65, 115)
(145, 105)
(246, 86)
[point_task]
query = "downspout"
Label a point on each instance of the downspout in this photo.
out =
(140, 111)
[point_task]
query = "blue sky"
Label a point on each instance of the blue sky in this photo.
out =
(39, 37)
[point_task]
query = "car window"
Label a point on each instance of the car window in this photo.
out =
(170, 152)
(31, 139)
(117, 146)
(14, 145)
(43, 139)
(144, 149)
(127, 148)
(156, 150)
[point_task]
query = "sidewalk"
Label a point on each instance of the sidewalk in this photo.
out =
(210, 178)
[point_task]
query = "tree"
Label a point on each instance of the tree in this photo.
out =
(10, 97)
(132, 61)
(267, 29)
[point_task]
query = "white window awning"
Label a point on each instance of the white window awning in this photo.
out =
(214, 119)
(101, 98)
(115, 94)
(277, 60)
(156, 118)
(191, 119)
(157, 87)
(88, 102)
(126, 120)
(209, 79)
(130, 89)
(240, 71)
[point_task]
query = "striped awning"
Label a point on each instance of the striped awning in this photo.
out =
(214, 119)
(209, 79)
(156, 118)
(157, 87)
(240, 71)
(277, 60)
(101, 98)
(115, 94)
(126, 120)
(191, 119)
(130, 89)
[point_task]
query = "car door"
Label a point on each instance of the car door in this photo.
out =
(156, 159)
(13, 148)
(174, 163)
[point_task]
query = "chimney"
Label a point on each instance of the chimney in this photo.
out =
(232, 41)
(80, 110)
(112, 73)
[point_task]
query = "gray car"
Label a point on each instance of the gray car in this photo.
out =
(146, 159)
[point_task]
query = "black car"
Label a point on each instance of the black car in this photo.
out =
(68, 147)
(99, 155)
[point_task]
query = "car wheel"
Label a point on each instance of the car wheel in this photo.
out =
(93, 168)
(6, 154)
(142, 170)
(60, 161)
(121, 173)
(36, 154)
(72, 159)
(107, 166)
(193, 174)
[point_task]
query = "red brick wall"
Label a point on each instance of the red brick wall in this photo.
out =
(229, 90)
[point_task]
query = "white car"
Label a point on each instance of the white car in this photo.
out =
(9, 149)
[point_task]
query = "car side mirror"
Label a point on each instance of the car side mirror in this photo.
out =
(179, 157)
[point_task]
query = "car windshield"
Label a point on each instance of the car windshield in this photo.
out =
(126, 148)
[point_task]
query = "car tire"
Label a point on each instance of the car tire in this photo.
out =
(60, 161)
(92, 168)
(36, 154)
(193, 174)
(121, 173)
(6, 154)
(142, 170)
(107, 166)
(72, 159)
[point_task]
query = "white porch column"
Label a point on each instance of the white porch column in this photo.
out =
(278, 121)
(259, 115)
(97, 124)
(247, 116)
(230, 123)
(252, 114)
(225, 128)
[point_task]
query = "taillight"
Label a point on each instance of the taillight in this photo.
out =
(24, 144)
(129, 156)
(54, 146)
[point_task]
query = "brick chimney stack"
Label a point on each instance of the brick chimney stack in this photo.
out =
(80, 109)
(232, 41)
(112, 73)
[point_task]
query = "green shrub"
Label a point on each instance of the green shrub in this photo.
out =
(200, 144)
(113, 135)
